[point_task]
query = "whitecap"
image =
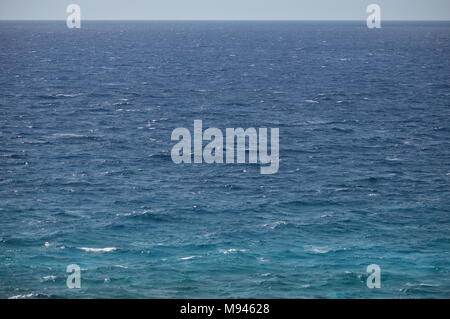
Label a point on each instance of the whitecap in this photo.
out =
(279, 92)
(69, 135)
(318, 249)
(47, 278)
(68, 95)
(125, 214)
(98, 250)
(136, 213)
(311, 101)
(23, 296)
(422, 284)
(189, 257)
(232, 250)
(275, 224)
(305, 286)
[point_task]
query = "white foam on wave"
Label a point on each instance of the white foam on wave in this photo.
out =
(136, 213)
(98, 250)
(305, 286)
(189, 257)
(421, 284)
(48, 278)
(267, 274)
(23, 296)
(275, 224)
(69, 135)
(121, 266)
(318, 249)
(68, 95)
(232, 250)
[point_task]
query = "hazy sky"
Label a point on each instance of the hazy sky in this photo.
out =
(226, 9)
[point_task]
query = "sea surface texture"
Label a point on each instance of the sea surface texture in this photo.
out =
(86, 176)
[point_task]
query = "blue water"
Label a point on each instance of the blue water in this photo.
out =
(85, 123)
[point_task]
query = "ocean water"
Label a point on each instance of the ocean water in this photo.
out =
(86, 176)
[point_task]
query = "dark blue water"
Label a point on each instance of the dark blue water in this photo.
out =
(85, 123)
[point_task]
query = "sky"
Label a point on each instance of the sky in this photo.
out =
(225, 9)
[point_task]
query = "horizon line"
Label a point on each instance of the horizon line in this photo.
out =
(243, 20)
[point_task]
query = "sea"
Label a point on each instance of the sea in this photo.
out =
(87, 178)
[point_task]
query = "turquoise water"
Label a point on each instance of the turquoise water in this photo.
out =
(86, 175)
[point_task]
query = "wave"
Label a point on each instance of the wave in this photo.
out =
(189, 257)
(69, 135)
(232, 250)
(275, 224)
(30, 295)
(49, 278)
(311, 101)
(318, 249)
(322, 249)
(98, 250)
